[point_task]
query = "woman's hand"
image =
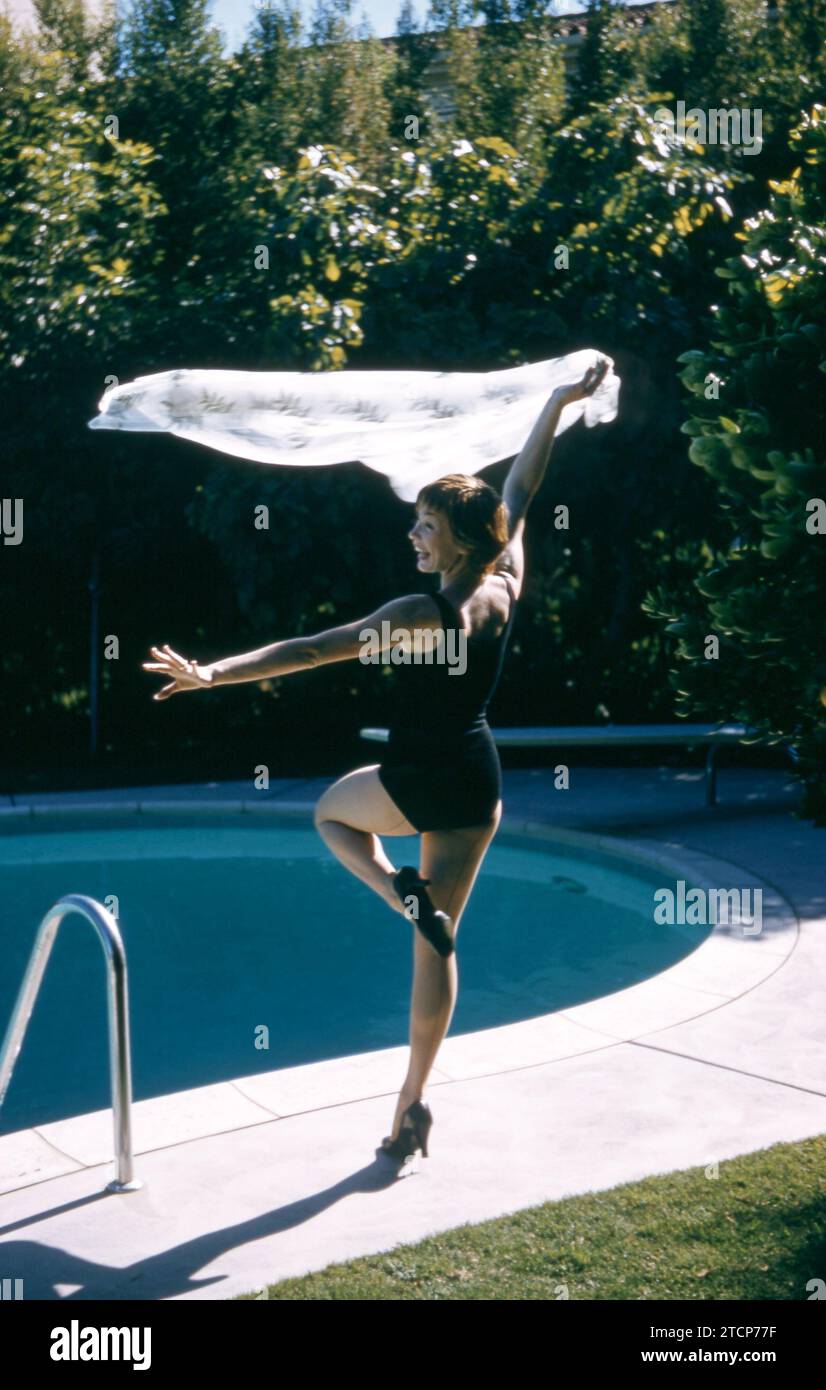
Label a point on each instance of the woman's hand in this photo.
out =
(586, 387)
(188, 674)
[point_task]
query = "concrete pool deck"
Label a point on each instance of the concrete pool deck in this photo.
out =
(254, 1180)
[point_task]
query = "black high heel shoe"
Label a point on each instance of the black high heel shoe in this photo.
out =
(413, 1132)
(430, 920)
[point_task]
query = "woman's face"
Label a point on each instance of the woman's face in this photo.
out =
(432, 539)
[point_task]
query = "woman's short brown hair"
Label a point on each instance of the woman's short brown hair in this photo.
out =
(476, 514)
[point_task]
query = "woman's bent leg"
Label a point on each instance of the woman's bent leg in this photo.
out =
(349, 818)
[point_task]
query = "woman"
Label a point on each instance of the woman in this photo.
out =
(440, 777)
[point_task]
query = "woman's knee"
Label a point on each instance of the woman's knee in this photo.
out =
(322, 810)
(332, 804)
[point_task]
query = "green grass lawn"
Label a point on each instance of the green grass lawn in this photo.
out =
(757, 1231)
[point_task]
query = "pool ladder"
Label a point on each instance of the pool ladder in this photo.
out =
(117, 995)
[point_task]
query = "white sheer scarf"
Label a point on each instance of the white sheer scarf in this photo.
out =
(413, 427)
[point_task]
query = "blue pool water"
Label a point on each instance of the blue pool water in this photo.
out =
(228, 927)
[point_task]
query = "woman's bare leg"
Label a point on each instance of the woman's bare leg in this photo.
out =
(349, 818)
(451, 859)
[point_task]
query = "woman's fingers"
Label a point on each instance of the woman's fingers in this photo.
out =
(164, 666)
(186, 674)
(594, 376)
(165, 653)
(175, 655)
(168, 660)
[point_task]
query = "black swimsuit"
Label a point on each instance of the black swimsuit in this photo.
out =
(441, 765)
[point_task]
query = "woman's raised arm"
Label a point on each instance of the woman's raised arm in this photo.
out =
(528, 468)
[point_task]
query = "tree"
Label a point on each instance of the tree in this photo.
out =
(170, 89)
(758, 433)
(520, 80)
(709, 38)
(724, 54)
(414, 51)
(595, 81)
(625, 223)
(77, 244)
(130, 251)
(267, 93)
(345, 86)
(66, 25)
(406, 22)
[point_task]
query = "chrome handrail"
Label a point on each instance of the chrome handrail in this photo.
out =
(117, 996)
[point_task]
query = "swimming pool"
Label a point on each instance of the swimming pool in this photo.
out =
(250, 949)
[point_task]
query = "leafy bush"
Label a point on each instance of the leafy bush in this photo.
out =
(758, 433)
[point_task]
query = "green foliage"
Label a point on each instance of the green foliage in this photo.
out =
(76, 244)
(405, 254)
(718, 54)
(277, 209)
(517, 83)
(322, 217)
(757, 427)
(627, 203)
(345, 87)
(65, 26)
(603, 67)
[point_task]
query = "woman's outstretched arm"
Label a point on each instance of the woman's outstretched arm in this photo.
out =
(383, 627)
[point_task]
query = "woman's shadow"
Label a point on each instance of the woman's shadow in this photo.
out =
(169, 1273)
